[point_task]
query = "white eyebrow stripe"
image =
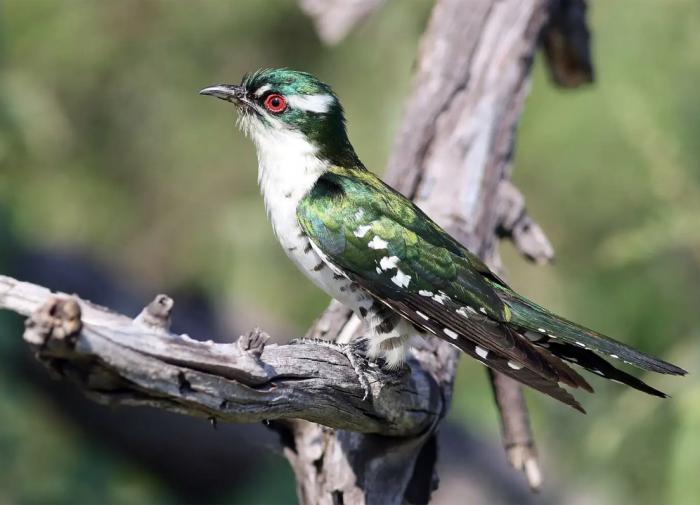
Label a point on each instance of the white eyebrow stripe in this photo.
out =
(262, 89)
(312, 103)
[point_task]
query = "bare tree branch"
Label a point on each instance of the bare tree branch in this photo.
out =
(516, 224)
(334, 19)
(123, 361)
(515, 428)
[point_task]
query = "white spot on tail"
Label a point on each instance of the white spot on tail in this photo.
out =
(361, 231)
(401, 279)
(450, 333)
(424, 292)
(482, 353)
(462, 312)
(541, 330)
(378, 270)
(514, 365)
(422, 315)
(482, 310)
(312, 103)
(377, 243)
(388, 262)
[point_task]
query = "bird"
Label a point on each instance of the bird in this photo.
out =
(376, 252)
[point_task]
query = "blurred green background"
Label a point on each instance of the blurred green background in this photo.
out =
(107, 152)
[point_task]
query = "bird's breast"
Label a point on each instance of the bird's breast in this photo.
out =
(282, 191)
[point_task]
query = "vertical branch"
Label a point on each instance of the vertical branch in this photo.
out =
(466, 149)
(515, 428)
(453, 156)
(333, 19)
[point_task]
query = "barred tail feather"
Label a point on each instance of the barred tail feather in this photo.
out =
(530, 316)
(498, 347)
(597, 365)
(502, 364)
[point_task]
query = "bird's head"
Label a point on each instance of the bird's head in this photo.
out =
(280, 105)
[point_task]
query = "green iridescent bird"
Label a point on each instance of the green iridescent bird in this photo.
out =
(376, 252)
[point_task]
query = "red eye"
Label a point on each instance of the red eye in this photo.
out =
(275, 103)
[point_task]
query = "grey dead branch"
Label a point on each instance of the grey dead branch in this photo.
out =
(453, 155)
(124, 361)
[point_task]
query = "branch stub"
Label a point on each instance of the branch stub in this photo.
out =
(58, 319)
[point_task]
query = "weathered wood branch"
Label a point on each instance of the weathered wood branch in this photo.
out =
(122, 361)
(334, 19)
(515, 224)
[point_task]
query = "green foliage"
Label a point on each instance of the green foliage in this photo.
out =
(106, 146)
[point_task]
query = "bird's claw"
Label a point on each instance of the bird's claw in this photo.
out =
(355, 352)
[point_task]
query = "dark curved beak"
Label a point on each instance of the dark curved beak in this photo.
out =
(229, 92)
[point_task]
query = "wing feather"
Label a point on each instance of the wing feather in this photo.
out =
(399, 256)
(530, 316)
(388, 246)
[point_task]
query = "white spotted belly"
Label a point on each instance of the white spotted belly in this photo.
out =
(391, 343)
(300, 250)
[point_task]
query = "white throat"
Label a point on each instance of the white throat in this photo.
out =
(288, 167)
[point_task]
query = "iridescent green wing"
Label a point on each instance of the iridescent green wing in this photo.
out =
(368, 228)
(388, 246)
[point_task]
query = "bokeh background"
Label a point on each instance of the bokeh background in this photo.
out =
(117, 181)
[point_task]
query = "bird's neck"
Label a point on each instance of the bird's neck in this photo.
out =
(289, 164)
(288, 167)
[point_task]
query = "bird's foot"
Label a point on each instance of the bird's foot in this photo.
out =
(355, 351)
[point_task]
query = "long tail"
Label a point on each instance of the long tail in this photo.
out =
(579, 345)
(593, 363)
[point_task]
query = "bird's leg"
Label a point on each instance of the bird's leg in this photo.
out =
(389, 339)
(356, 353)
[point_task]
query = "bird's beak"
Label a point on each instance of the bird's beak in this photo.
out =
(229, 92)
